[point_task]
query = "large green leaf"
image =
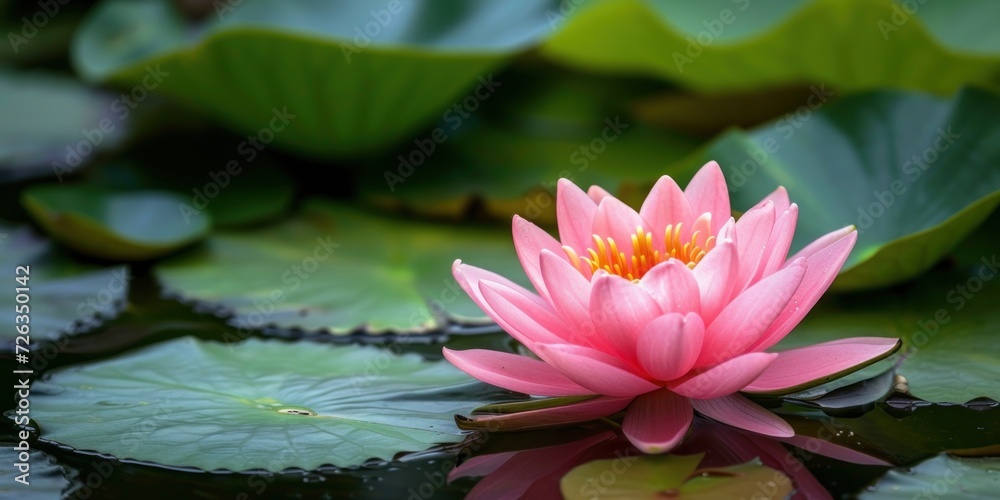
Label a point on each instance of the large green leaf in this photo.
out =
(53, 124)
(124, 225)
(255, 405)
(64, 295)
(941, 477)
(738, 44)
(338, 269)
(853, 163)
(948, 323)
(350, 92)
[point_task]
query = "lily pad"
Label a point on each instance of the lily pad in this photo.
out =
(121, 225)
(673, 476)
(246, 64)
(914, 173)
(52, 124)
(65, 296)
(338, 269)
(716, 45)
(260, 404)
(941, 477)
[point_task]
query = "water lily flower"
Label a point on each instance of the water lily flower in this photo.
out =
(662, 312)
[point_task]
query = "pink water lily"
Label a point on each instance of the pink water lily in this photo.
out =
(662, 312)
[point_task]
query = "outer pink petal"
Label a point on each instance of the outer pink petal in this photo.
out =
(707, 192)
(806, 364)
(665, 205)
(529, 240)
(669, 345)
(468, 277)
(716, 275)
(723, 379)
(753, 231)
(597, 193)
(558, 416)
(620, 310)
(823, 242)
(575, 215)
(673, 286)
(748, 317)
(570, 296)
(822, 267)
(595, 370)
(738, 411)
(780, 242)
(618, 221)
(523, 319)
(658, 421)
(780, 199)
(514, 372)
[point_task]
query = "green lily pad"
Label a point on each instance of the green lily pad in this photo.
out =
(337, 269)
(246, 64)
(122, 225)
(941, 477)
(717, 45)
(260, 404)
(52, 124)
(65, 296)
(914, 173)
(948, 352)
(671, 476)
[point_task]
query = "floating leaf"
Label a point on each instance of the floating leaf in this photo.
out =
(255, 405)
(123, 225)
(63, 294)
(914, 173)
(717, 45)
(52, 125)
(339, 269)
(247, 63)
(941, 477)
(673, 476)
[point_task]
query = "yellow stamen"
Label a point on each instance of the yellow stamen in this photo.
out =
(605, 254)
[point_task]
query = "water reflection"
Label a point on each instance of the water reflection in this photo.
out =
(536, 472)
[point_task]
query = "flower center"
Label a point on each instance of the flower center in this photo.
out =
(606, 255)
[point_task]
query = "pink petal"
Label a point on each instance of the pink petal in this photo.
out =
(529, 241)
(524, 319)
(673, 286)
(595, 370)
(665, 205)
(823, 242)
(753, 231)
(738, 411)
(723, 379)
(658, 421)
(558, 416)
(799, 366)
(620, 310)
(597, 193)
(747, 317)
(618, 221)
(481, 465)
(716, 275)
(570, 295)
(780, 241)
(780, 199)
(703, 226)
(822, 267)
(669, 345)
(575, 215)
(707, 192)
(514, 372)
(468, 277)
